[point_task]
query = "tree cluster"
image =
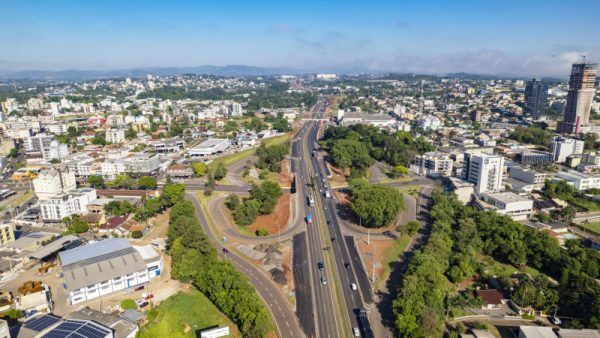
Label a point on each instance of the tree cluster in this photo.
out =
(119, 208)
(461, 232)
(262, 201)
(375, 205)
(171, 194)
(195, 260)
(392, 148)
(533, 135)
(270, 157)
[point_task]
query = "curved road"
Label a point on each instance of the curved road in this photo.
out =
(283, 316)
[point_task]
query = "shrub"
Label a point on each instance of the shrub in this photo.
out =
(137, 234)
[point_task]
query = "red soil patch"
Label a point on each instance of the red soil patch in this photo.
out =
(277, 220)
(285, 176)
(366, 252)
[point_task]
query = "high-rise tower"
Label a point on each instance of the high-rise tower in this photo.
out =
(579, 98)
(536, 97)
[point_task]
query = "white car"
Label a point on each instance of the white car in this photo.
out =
(353, 286)
(356, 332)
(323, 280)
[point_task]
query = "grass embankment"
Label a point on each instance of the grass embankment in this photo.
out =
(391, 255)
(204, 204)
(230, 159)
(185, 314)
(592, 227)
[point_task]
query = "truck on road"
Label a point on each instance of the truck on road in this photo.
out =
(310, 200)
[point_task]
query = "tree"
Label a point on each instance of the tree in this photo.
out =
(200, 168)
(99, 139)
(96, 181)
(232, 202)
(130, 133)
(247, 212)
(122, 181)
(351, 154)
(14, 152)
(77, 225)
(137, 234)
(220, 172)
(128, 304)
(119, 208)
(230, 126)
(377, 205)
(281, 125)
(412, 227)
(146, 182)
(172, 193)
(262, 232)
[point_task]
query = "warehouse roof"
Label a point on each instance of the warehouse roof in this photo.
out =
(100, 261)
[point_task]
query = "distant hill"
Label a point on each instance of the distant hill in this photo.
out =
(71, 74)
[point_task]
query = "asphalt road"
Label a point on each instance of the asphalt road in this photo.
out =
(283, 316)
(346, 267)
(322, 302)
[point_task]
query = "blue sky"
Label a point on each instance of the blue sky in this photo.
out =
(529, 38)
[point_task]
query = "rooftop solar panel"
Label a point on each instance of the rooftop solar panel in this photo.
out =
(41, 323)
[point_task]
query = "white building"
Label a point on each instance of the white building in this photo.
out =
(209, 147)
(58, 207)
(45, 146)
(580, 181)
(142, 164)
(109, 169)
(433, 164)
(528, 176)
(53, 182)
(107, 266)
(483, 170)
(508, 203)
(115, 135)
(236, 109)
(429, 122)
(562, 147)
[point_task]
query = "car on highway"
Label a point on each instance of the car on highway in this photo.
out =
(346, 265)
(323, 280)
(356, 332)
(308, 219)
(554, 320)
(320, 265)
(353, 286)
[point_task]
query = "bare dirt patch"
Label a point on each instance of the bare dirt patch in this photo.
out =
(285, 176)
(338, 176)
(379, 248)
(277, 220)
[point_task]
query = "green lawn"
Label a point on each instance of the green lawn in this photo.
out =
(495, 268)
(183, 312)
(593, 227)
(391, 256)
(230, 159)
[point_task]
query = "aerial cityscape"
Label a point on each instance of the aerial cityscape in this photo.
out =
(282, 169)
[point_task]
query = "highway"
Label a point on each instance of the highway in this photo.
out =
(321, 304)
(348, 269)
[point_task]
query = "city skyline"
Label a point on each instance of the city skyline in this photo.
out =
(430, 38)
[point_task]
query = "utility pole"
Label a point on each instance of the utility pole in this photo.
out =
(369, 236)
(373, 267)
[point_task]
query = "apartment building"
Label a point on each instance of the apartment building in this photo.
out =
(433, 164)
(115, 135)
(52, 182)
(57, 207)
(484, 171)
(562, 147)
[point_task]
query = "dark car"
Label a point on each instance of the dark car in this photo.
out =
(320, 265)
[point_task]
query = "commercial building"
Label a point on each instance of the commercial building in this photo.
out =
(508, 203)
(142, 164)
(536, 332)
(209, 147)
(48, 325)
(115, 135)
(532, 157)
(579, 181)
(528, 176)
(562, 147)
(433, 164)
(536, 97)
(52, 182)
(107, 266)
(168, 146)
(581, 93)
(60, 206)
(484, 171)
